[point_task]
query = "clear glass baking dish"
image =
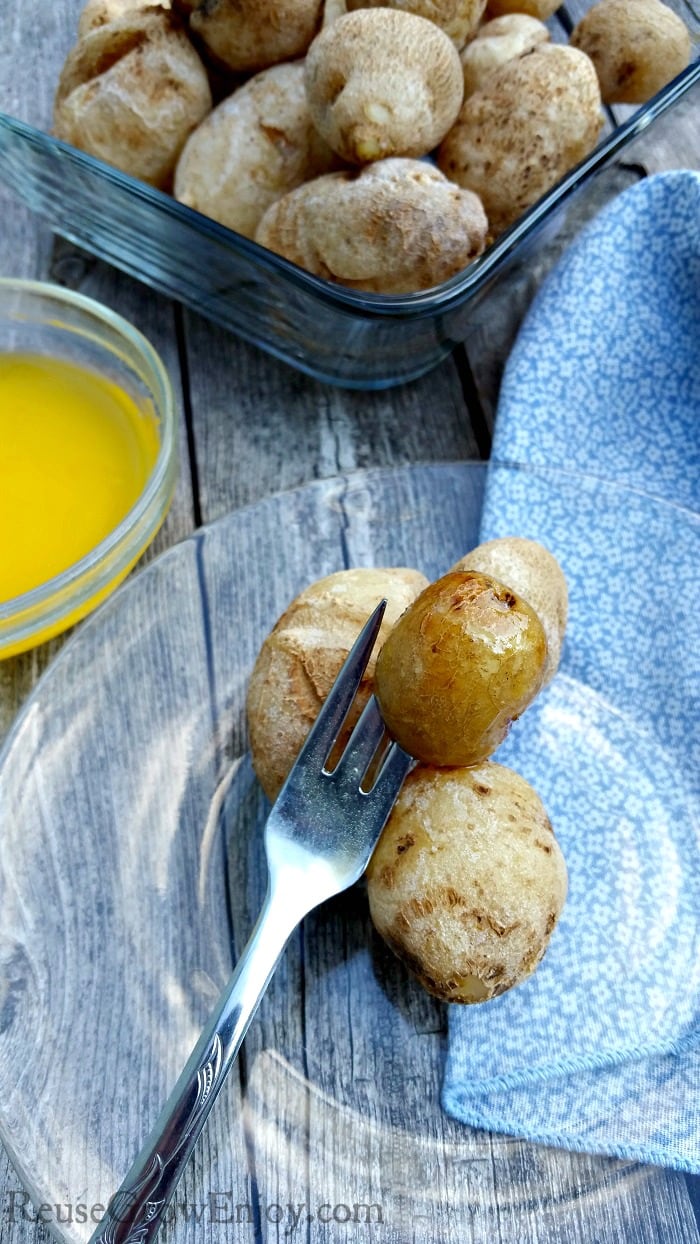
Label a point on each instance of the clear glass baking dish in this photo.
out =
(357, 340)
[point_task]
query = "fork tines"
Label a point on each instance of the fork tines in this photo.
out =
(326, 729)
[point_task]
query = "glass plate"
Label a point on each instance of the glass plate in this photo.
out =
(132, 872)
(336, 334)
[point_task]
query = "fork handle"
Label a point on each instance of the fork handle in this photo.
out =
(134, 1213)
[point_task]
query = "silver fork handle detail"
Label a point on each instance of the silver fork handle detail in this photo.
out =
(135, 1212)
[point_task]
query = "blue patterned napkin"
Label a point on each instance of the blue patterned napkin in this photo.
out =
(600, 409)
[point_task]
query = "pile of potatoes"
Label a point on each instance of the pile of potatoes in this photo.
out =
(467, 881)
(306, 124)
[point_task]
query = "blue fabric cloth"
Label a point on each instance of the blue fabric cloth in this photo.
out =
(600, 410)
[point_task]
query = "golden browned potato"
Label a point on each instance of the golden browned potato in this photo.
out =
(254, 147)
(131, 92)
(399, 226)
(499, 41)
(467, 881)
(301, 658)
(458, 18)
(383, 83)
(248, 35)
(100, 12)
(541, 9)
(463, 662)
(637, 46)
(510, 143)
(535, 574)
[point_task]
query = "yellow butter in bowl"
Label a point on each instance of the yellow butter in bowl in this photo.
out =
(76, 454)
(87, 457)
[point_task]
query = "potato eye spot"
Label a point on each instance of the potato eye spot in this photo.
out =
(335, 86)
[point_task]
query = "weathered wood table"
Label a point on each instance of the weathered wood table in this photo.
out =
(251, 427)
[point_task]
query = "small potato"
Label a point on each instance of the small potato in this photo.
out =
(533, 573)
(254, 147)
(458, 18)
(541, 9)
(248, 35)
(398, 226)
(333, 9)
(637, 46)
(499, 41)
(383, 83)
(131, 92)
(301, 658)
(101, 12)
(531, 121)
(467, 881)
(463, 662)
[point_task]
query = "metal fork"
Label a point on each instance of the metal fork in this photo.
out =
(318, 840)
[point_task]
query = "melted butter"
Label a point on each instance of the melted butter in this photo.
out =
(75, 454)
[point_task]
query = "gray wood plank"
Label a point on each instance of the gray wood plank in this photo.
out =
(30, 61)
(114, 974)
(25, 251)
(259, 426)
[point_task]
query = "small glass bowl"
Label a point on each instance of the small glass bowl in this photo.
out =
(39, 318)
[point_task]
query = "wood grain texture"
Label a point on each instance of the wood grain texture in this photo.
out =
(325, 1073)
(259, 426)
(342, 1065)
(29, 65)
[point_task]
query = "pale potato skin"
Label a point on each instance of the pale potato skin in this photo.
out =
(131, 92)
(302, 656)
(458, 18)
(101, 12)
(637, 46)
(383, 83)
(531, 121)
(496, 42)
(333, 9)
(534, 574)
(463, 662)
(254, 147)
(397, 227)
(467, 881)
(248, 35)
